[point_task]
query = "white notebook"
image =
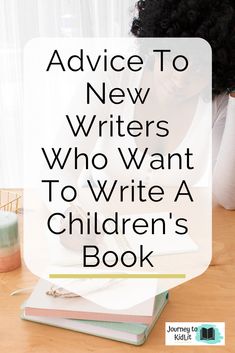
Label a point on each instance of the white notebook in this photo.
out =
(41, 304)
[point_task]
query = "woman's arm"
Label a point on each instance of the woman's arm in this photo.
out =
(224, 171)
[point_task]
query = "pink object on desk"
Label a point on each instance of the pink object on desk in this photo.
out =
(10, 262)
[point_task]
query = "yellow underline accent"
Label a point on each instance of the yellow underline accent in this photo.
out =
(117, 275)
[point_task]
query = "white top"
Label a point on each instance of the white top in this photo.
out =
(224, 150)
(223, 135)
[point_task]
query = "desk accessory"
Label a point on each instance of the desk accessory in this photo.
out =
(9, 242)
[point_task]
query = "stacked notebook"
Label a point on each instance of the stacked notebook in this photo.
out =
(78, 314)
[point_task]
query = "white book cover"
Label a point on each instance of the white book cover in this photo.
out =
(42, 304)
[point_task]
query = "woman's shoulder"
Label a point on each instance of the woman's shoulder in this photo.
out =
(219, 106)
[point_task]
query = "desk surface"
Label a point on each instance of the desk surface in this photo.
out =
(188, 302)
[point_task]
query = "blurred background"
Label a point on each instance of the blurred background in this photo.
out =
(23, 20)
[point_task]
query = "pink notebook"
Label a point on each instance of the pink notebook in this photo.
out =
(41, 304)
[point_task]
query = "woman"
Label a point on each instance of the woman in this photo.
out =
(214, 21)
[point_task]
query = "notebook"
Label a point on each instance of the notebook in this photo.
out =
(41, 304)
(133, 333)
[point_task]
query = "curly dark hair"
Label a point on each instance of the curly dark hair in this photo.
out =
(212, 20)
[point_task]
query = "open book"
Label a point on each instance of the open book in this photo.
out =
(207, 333)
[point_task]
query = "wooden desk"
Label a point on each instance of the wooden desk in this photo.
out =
(210, 297)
